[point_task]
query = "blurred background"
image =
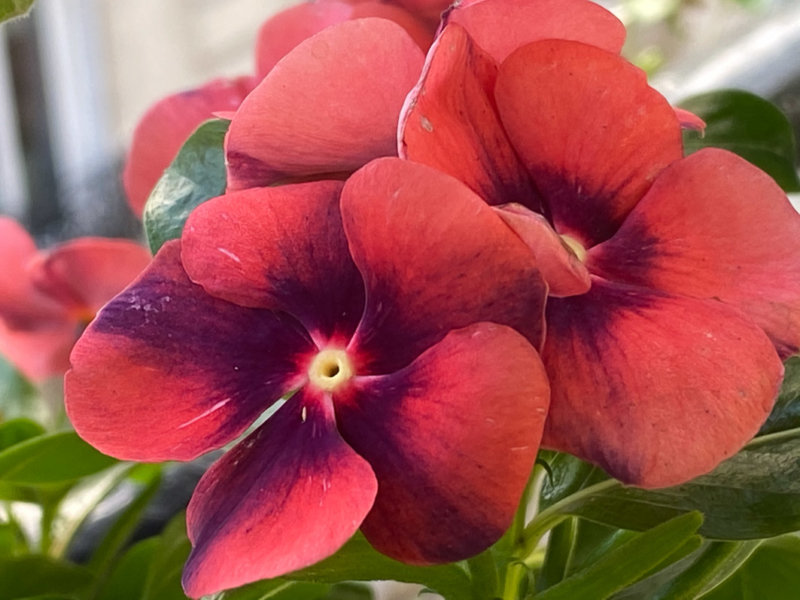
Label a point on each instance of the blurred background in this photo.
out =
(76, 76)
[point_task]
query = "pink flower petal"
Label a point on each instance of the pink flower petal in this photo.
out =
(590, 131)
(164, 128)
(281, 248)
(287, 29)
(449, 122)
(502, 26)
(39, 353)
(715, 226)
(166, 371)
(22, 306)
(85, 273)
(434, 257)
(690, 120)
(452, 439)
(361, 72)
(563, 271)
(286, 497)
(656, 389)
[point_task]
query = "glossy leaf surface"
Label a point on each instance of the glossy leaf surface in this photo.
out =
(754, 494)
(196, 174)
(749, 126)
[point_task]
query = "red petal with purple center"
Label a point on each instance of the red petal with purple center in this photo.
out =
(286, 497)
(715, 226)
(452, 439)
(166, 371)
(656, 389)
(280, 248)
(434, 257)
(286, 129)
(450, 123)
(590, 131)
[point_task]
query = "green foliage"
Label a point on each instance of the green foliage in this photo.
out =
(33, 576)
(18, 430)
(754, 494)
(151, 569)
(786, 413)
(628, 562)
(749, 126)
(196, 174)
(14, 8)
(695, 574)
(357, 560)
(51, 459)
(770, 573)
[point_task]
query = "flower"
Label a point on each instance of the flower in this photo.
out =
(415, 408)
(288, 130)
(46, 298)
(166, 124)
(674, 284)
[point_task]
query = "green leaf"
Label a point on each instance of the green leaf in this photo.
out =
(127, 580)
(358, 561)
(51, 459)
(566, 475)
(31, 575)
(196, 174)
(275, 589)
(749, 126)
(164, 577)
(18, 430)
(786, 412)
(13, 8)
(693, 575)
(627, 563)
(754, 494)
(120, 532)
(771, 573)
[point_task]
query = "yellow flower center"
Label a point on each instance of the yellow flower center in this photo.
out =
(574, 246)
(330, 369)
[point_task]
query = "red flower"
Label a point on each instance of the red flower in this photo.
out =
(166, 125)
(415, 409)
(46, 298)
(673, 280)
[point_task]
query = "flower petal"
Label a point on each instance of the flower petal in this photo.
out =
(362, 71)
(591, 132)
(502, 26)
(449, 122)
(434, 257)
(284, 31)
(166, 371)
(164, 128)
(563, 271)
(85, 273)
(286, 497)
(654, 388)
(280, 248)
(39, 353)
(452, 439)
(715, 226)
(22, 306)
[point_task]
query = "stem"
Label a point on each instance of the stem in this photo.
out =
(552, 516)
